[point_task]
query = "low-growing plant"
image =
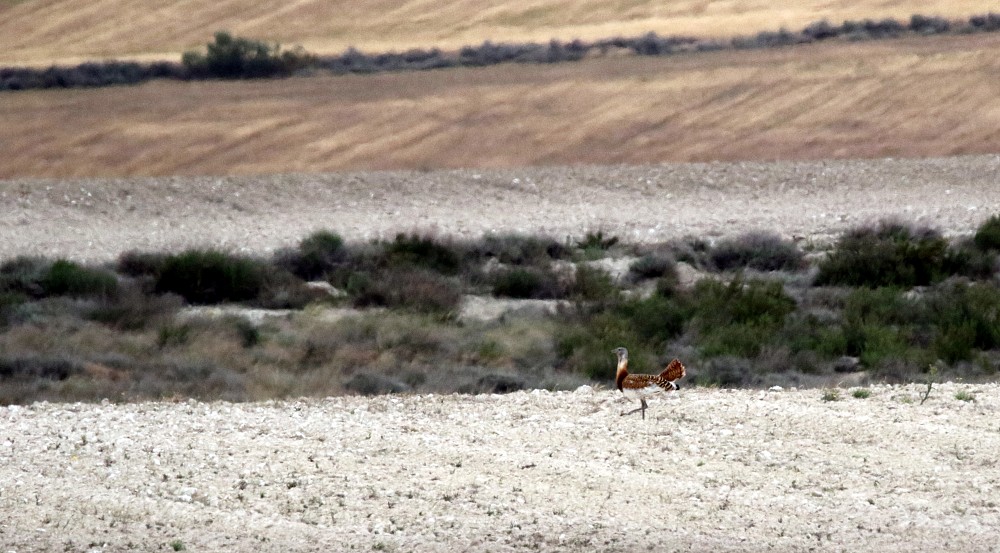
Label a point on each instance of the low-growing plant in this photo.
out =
(230, 57)
(890, 254)
(593, 284)
(831, 394)
(130, 309)
(316, 255)
(595, 244)
(211, 276)
(519, 249)
(654, 265)
(424, 251)
(418, 290)
(66, 278)
(987, 236)
(763, 251)
(861, 393)
(738, 318)
(965, 395)
(526, 283)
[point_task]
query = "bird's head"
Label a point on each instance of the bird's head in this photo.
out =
(622, 353)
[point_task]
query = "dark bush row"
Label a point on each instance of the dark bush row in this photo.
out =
(240, 58)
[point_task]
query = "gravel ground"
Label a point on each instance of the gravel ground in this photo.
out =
(97, 219)
(708, 470)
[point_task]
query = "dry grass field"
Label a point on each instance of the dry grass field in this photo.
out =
(913, 97)
(40, 31)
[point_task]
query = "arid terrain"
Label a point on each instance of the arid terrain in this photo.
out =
(805, 141)
(707, 470)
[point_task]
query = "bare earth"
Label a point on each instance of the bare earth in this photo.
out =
(708, 470)
(97, 219)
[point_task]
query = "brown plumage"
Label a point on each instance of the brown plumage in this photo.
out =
(641, 386)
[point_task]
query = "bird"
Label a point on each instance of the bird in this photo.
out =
(641, 386)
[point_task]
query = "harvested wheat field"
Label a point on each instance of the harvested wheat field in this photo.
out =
(912, 97)
(43, 31)
(708, 470)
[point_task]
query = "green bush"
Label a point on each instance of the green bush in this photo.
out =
(762, 251)
(593, 284)
(66, 278)
(526, 283)
(987, 236)
(738, 318)
(653, 266)
(317, 255)
(595, 244)
(891, 254)
(424, 251)
(417, 290)
(232, 57)
(138, 264)
(209, 277)
(130, 309)
(23, 275)
(519, 249)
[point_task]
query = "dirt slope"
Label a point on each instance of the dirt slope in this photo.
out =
(917, 97)
(708, 470)
(100, 218)
(40, 31)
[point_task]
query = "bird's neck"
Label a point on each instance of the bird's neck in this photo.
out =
(621, 373)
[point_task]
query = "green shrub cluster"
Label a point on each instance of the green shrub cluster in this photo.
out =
(762, 251)
(232, 57)
(938, 303)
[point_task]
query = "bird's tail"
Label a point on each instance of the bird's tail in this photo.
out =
(674, 371)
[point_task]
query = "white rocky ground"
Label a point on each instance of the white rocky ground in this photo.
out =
(708, 470)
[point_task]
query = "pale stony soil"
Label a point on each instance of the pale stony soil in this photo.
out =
(708, 470)
(97, 219)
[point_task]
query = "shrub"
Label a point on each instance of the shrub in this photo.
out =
(526, 283)
(30, 367)
(130, 309)
(890, 254)
(66, 278)
(593, 284)
(316, 255)
(763, 251)
(23, 275)
(136, 264)
(416, 290)
(653, 266)
(423, 251)
(738, 318)
(519, 249)
(241, 58)
(987, 236)
(209, 276)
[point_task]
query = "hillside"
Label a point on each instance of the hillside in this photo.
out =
(42, 31)
(913, 97)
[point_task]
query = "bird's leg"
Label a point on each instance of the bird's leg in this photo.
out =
(643, 400)
(641, 408)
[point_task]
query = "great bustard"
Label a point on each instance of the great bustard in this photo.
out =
(641, 386)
